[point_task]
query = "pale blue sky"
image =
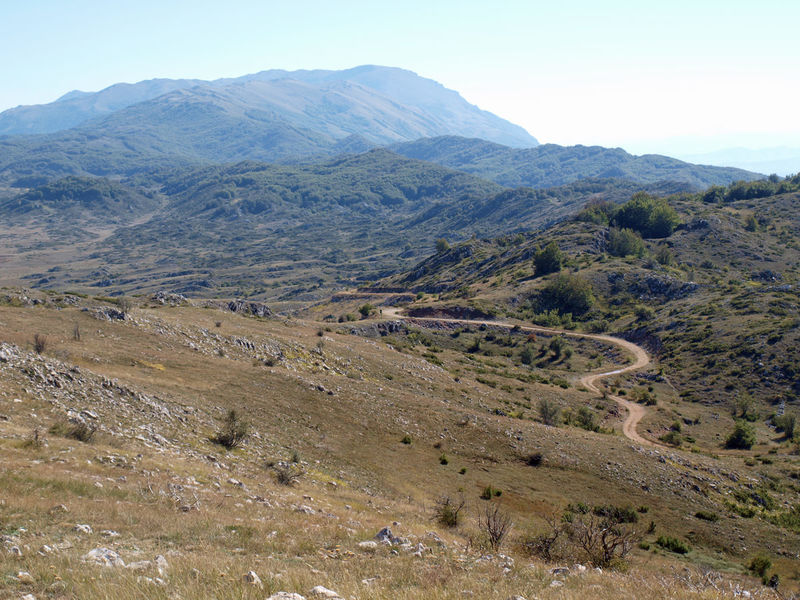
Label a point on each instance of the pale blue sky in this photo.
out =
(674, 76)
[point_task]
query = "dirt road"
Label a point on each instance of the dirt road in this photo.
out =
(641, 359)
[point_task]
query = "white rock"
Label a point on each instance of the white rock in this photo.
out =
(252, 578)
(82, 528)
(25, 577)
(15, 551)
(161, 565)
(579, 568)
(28, 597)
(104, 557)
(286, 596)
(323, 592)
(556, 583)
(368, 546)
(109, 533)
(140, 565)
(516, 598)
(559, 571)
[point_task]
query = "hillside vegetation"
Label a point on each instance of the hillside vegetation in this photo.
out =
(712, 290)
(549, 165)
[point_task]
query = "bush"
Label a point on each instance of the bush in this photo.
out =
(549, 412)
(548, 259)
(288, 473)
(786, 424)
(233, 431)
(673, 544)
(625, 242)
(39, 343)
(649, 216)
(743, 437)
(81, 431)
(443, 460)
(706, 515)
(759, 565)
(495, 524)
(534, 459)
(489, 492)
(566, 294)
(447, 511)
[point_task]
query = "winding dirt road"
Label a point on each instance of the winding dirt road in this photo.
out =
(641, 359)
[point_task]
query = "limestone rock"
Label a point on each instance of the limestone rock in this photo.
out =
(104, 557)
(252, 578)
(323, 592)
(286, 596)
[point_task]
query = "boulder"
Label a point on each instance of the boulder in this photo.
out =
(323, 592)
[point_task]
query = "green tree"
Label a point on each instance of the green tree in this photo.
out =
(651, 217)
(548, 259)
(566, 293)
(442, 245)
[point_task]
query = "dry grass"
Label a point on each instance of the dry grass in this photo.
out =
(169, 498)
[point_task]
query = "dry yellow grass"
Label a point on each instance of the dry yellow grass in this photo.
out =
(152, 460)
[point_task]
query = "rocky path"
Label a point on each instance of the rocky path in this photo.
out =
(641, 359)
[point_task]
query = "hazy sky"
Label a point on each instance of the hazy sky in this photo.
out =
(674, 76)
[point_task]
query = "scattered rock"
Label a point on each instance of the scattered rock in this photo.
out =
(286, 596)
(368, 546)
(558, 571)
(252, 578)
(82, 528)
(162, 565)
(323, 592)
(15, 551)
(25, 577)
(140, 566)
(104, 557)
(556, 583)
(58, 508)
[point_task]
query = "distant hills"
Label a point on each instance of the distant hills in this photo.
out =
(383, 104)
(551, 165)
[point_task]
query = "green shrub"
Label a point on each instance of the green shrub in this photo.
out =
(446, 511)
(566, 293)
(706, 515)
(743, 437)
(624, 242)
(443, 460)
(759, 565)
(673, 544)
(406, 439)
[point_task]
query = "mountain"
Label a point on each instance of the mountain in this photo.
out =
(361, 97)
(550, 165)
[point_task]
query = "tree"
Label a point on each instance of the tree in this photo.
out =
(743, 437)
(548, 259)
(650, 216)
(567, 294)
(442, 245)
(624, 242)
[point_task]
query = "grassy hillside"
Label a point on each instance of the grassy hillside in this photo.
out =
(550, 165)
(716, 300)
(370, 430)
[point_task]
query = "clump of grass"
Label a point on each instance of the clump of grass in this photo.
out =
(81, 431)
(489, 492)
(406, 440)
(40, 343)
(706, 515)
(443, 460)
